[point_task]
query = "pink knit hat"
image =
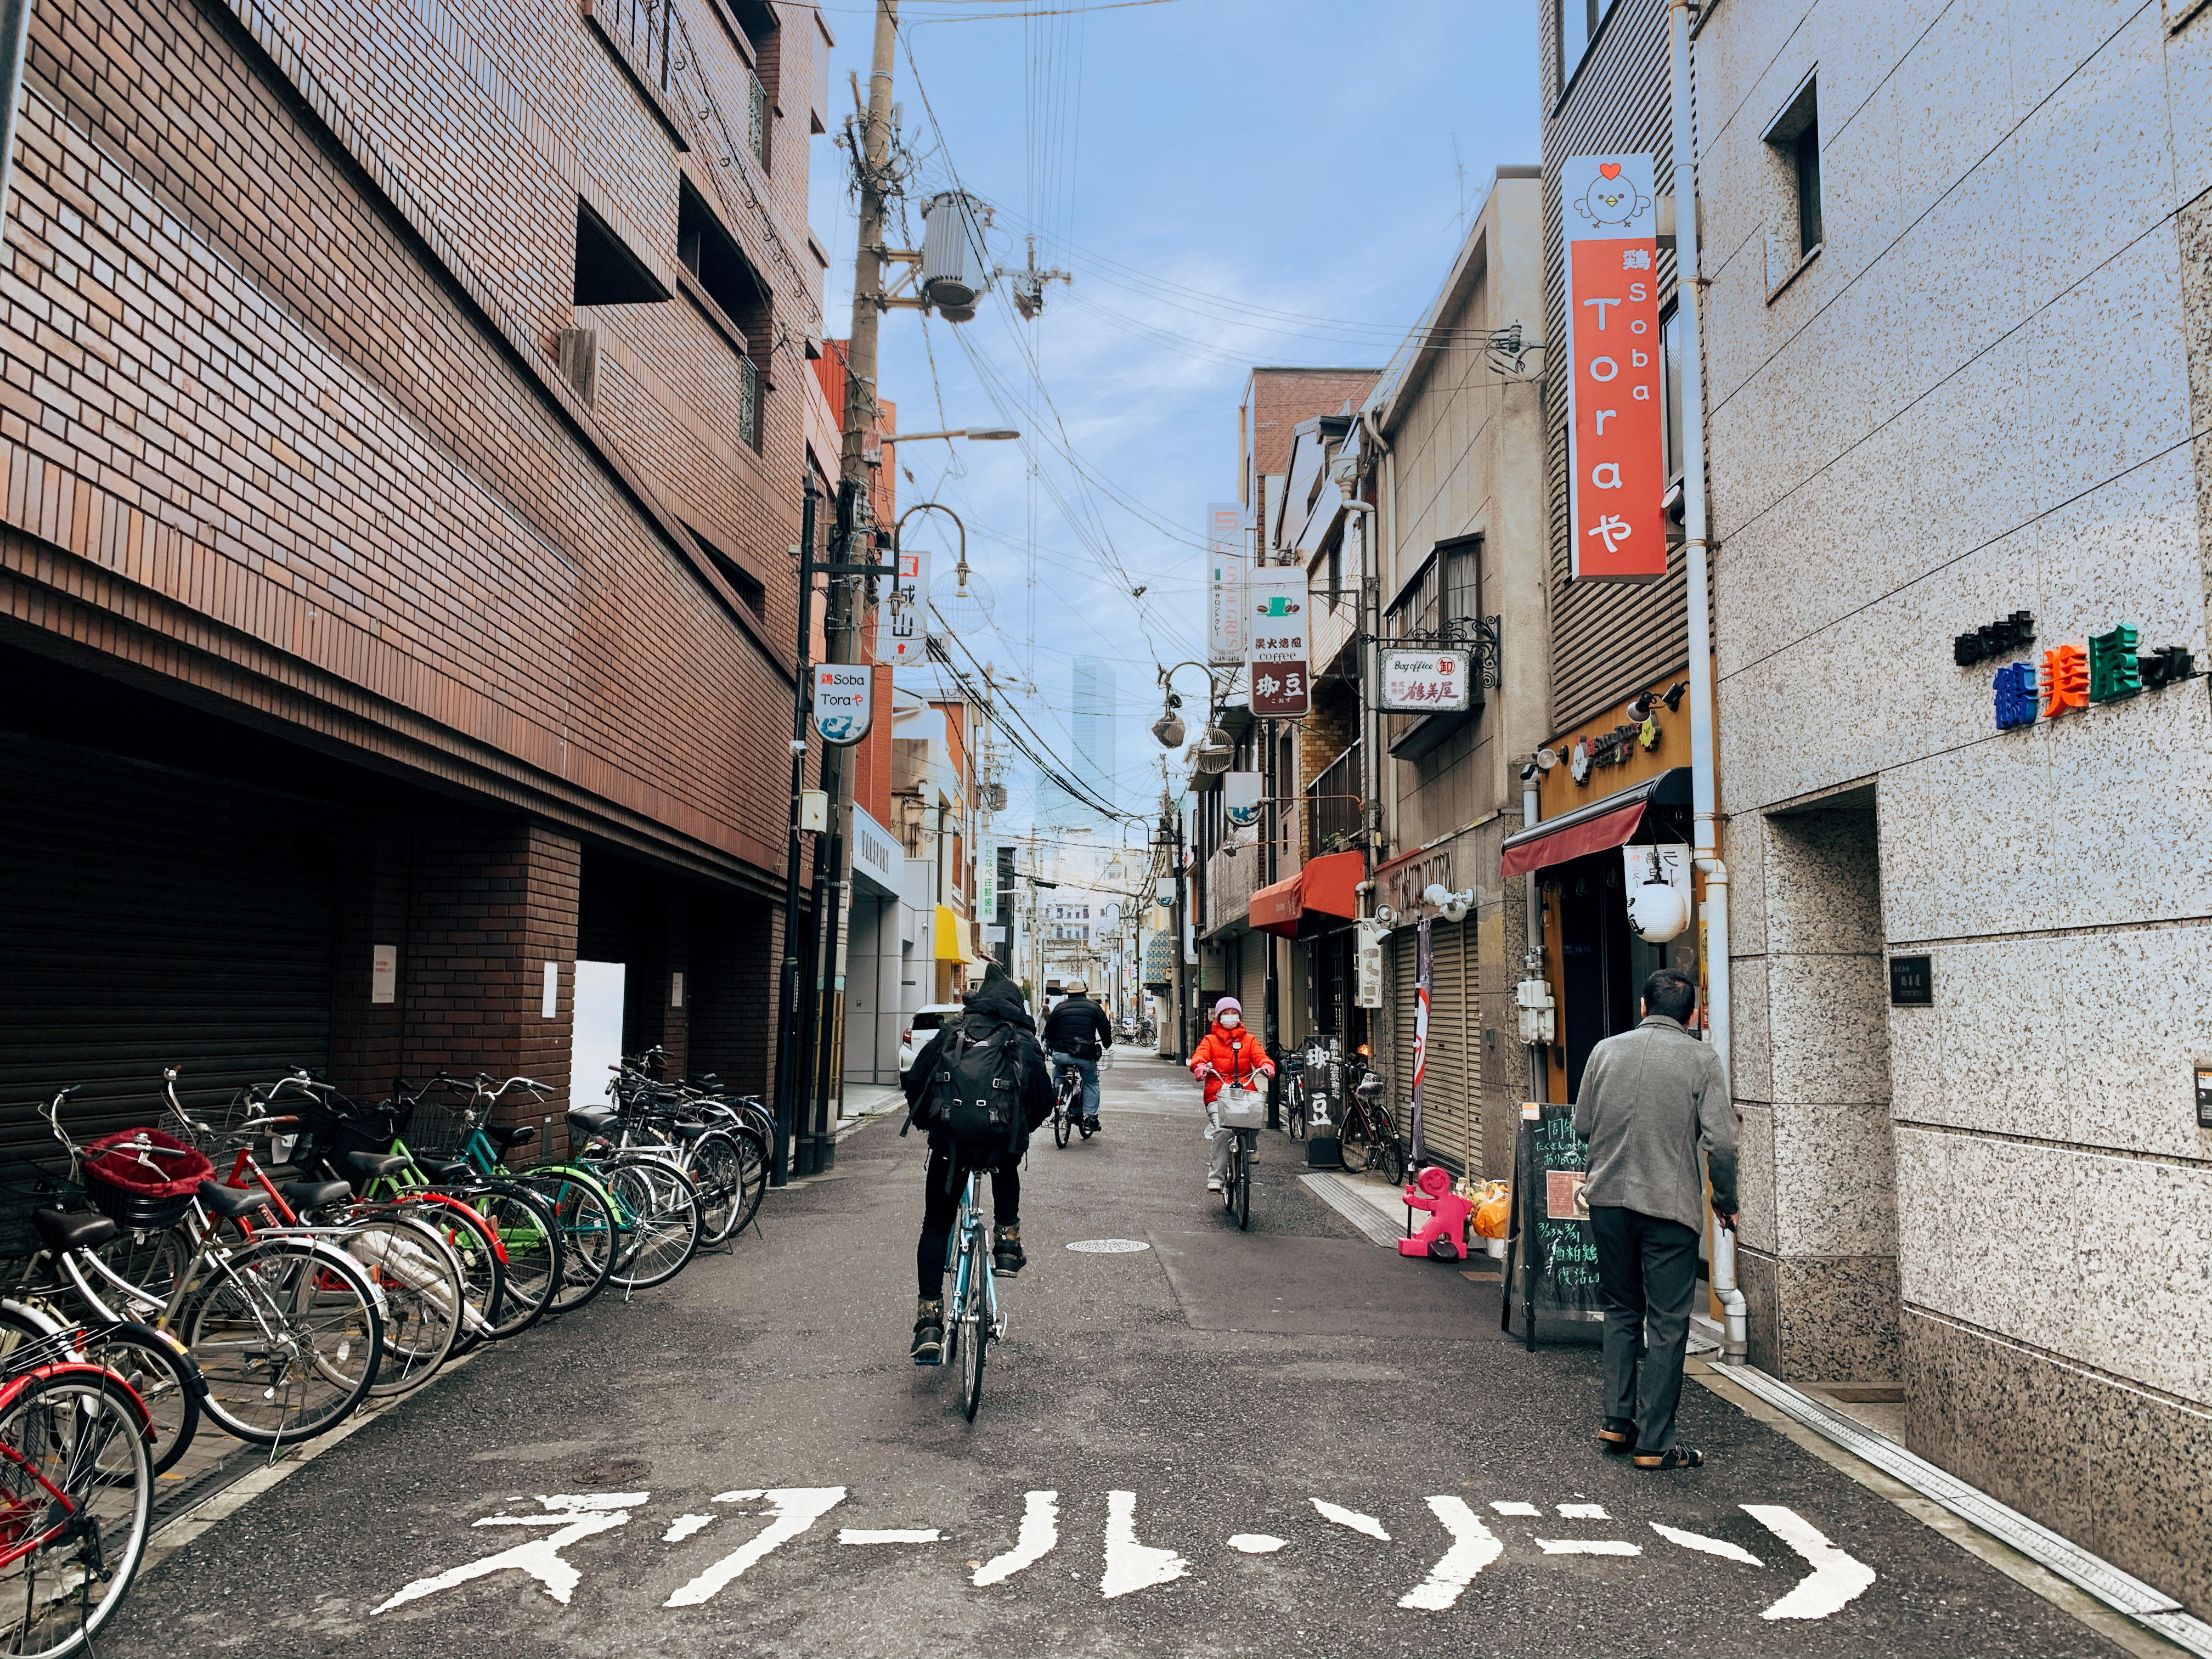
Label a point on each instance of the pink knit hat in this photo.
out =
(1227, 1005)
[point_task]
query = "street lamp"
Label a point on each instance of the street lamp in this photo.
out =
(983, 434)
(1169, 729)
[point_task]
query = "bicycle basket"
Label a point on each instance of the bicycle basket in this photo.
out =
(25, 1186)
(440, 1128)
(143, 1179)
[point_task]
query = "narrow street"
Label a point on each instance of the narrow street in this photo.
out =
(1210, 1437)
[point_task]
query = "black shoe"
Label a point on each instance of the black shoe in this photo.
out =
(1675, 1457)
(1618, 1434)
(1091, 1125)
(928, 1331)
(1006, 1251)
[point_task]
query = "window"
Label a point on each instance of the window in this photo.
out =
(1462, 585)
(1670, 365)
(1795, 140)
(1335, 572)
(1578, 23)
(737, 301)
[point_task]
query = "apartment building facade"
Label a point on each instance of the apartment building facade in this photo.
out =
(1959, 380)
(392, 562)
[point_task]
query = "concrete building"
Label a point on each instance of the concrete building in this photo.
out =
(1092, 726)
(1454, 437)
(392, 573)
(1959, 367)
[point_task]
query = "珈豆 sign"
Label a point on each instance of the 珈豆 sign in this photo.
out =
(1426, 682)
(844, 701)
(1275, 610)
(1617, 463)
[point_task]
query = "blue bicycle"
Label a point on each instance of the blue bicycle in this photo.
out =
(973, 1321)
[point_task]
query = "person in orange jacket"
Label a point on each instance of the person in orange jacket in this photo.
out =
(1227, 1057)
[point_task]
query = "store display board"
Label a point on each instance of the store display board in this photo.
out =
(1551, 1260)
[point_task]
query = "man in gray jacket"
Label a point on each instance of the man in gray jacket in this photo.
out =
(1651, 1099)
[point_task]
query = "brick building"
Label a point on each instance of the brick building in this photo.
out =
(396, 472)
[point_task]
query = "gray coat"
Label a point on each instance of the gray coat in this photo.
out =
(1650, 1098)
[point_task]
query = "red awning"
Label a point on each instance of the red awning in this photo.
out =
(1574, 840)
(1326, 886)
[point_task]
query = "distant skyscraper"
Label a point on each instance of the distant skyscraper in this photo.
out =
(1091, 720)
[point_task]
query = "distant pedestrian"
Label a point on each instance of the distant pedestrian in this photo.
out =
(1651, 1099)
(1079, 1034)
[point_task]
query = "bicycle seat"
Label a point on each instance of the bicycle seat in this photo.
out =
(232, 1201)
(445, 1169)
(592, 1120)
(376, 1164)
(79, 1230)
(313, 1195)
(687, 1131)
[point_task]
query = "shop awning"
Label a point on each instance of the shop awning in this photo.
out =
(952, 938)
(1326, 886)
(1604, 824)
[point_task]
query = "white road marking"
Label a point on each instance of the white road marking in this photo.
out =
(683, 1526)
(1474, 1547)
(1837, 1577)
(577, 1515)
(1588, 1547)
(1584, 1512)
(1352, 1518)
(1130, 1565)
(1257, 1543)
(1698, 1542)
(793, 1511)
(1513, 1506)
(1040, 1533)
(889, 1535)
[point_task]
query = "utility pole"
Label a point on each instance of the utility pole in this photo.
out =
(790, 1024)
(855, 534)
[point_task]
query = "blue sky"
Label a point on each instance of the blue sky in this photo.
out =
(1230, 183)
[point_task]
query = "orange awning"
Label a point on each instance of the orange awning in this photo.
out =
(1601, 825)
(1326, 886)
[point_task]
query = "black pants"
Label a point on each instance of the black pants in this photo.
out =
(1647, 1277)
(941, 1205)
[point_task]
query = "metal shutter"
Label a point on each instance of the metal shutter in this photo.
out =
(1252, 981)
(152, 917)
(1405, 968)
(1454, 1072)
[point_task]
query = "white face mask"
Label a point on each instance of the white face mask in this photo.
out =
(1232, 1021)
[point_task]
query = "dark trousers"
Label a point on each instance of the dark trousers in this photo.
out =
(941, 1206)
(1647, 1277)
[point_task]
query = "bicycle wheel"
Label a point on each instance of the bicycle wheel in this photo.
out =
(1389, 1158)
(531, 1236)
(76, 1502)
(1243, 1167)
(659, 1217)
(1355, 1144)
(425, 1298)
(1061, 1123)
(475, 1243)
(1297, 1123)
(152, 1261)
(162, 1376)
(717, 1170)
(975, 1332)
(584, 1211)
(289, 1338)
(752, 1149)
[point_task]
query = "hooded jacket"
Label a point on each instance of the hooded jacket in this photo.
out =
(1234, 1053)
(1077, 1020)
(997, 1003)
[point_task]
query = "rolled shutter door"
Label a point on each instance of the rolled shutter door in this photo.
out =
(1405, 969)
(1452, 1074)
(1252, 989)
(153, 917)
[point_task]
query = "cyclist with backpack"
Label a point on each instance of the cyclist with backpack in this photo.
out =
(1078, 1033)
(977, 1090)
(1228, 1057)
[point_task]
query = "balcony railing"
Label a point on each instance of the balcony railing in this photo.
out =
(1335, 805)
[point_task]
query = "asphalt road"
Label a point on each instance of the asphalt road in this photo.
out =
(745, 1461)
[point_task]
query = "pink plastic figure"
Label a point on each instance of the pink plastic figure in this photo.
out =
(1445, 1236)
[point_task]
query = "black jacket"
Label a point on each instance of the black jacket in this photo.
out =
(1078, 1019)
(998, 1003)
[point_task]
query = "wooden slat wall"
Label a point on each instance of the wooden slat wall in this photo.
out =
(1607, 638)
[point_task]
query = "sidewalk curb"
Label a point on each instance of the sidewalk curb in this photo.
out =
(2131, 1632)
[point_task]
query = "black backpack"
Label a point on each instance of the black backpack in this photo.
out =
(976, 1097)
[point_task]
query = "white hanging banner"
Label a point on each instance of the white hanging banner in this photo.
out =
(844, 701)
(906, 613)
(1225, 629)
(1240, 796)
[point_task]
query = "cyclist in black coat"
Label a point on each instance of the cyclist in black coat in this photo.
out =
(997, 1002)
(1079, 1034)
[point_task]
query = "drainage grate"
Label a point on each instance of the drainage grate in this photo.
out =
(2142, 1602)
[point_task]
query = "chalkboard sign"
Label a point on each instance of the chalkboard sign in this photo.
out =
(1551, 1265)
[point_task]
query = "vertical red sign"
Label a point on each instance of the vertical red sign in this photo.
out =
(1616, 395)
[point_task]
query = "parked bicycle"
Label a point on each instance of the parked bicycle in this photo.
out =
(1368, 1137)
